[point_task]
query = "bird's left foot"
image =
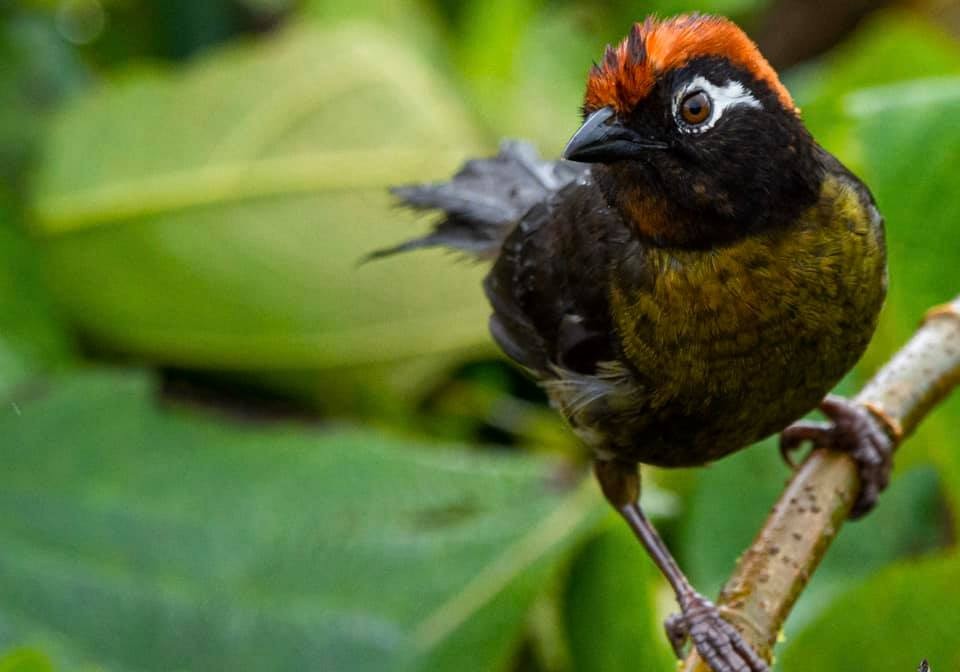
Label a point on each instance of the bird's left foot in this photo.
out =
(852, 430)
(718, 643)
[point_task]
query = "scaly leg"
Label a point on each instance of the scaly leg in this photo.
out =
(717, 642)
(852, 430)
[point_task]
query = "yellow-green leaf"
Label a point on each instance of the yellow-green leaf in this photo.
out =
(215, 217)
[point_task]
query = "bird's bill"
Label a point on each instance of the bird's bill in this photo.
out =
(603, 139)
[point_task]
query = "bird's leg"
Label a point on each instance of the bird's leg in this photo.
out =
(853, 429)
(717, 642)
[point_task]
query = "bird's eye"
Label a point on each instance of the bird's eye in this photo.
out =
(695, 108)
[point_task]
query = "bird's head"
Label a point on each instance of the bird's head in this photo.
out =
(698, 140)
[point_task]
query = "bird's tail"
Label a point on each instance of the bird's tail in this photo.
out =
(483, 202)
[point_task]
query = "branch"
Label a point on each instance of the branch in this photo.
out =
(794, 31)
(775, 569)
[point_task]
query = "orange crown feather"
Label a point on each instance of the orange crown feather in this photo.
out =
(629, 71)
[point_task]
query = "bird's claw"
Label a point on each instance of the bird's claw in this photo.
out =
(793, 437)
(718, 643)
(852, 430)
(677, 633)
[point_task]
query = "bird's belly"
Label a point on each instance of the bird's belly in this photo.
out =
(709, 401)
(720, 403)
(732, 349)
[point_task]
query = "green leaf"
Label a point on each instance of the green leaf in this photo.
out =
(137, 538)
(488, 35)
(714, 533)
(901, 616)
(39, 71)
(31, 338)
(222, 225)
(25, 660)
(724, 7)
(891, 46)
(416, 20)
(552, 58)
(610, 608)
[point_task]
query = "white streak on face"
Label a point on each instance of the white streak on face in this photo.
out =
(722, 98)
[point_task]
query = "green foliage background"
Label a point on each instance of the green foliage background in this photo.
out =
(225, 444)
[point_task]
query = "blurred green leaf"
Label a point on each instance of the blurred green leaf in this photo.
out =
(899, 617)
(39, 71)
(188, 27)
(633, 11)
(222, 225)
(487, 39)
(137, 538)
(552, 60)
(25, 660)
(713, 532)
(31, 337)
(892, 46)
(610, 606)
(268, 6)
(14, 368)
(411, 18)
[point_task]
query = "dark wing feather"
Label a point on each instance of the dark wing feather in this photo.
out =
(548, 287)
(484, 201)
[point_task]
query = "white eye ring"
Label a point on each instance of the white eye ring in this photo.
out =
(731, 94)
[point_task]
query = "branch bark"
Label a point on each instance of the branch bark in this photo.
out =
(773, 572)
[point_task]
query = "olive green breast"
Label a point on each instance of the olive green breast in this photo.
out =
(732, 344)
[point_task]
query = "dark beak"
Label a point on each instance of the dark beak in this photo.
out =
(603, 139)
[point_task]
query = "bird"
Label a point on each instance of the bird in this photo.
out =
(694, 275)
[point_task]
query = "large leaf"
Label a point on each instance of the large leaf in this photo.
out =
(216, 217)
(413, 18)
(891, 623)
(140, 539)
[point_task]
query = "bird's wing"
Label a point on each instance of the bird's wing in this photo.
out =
(483, 202)
(548, 287)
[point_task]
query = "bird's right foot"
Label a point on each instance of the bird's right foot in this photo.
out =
(854, 430)
(719, 644)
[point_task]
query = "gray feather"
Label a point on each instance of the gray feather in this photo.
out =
(483, 202)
